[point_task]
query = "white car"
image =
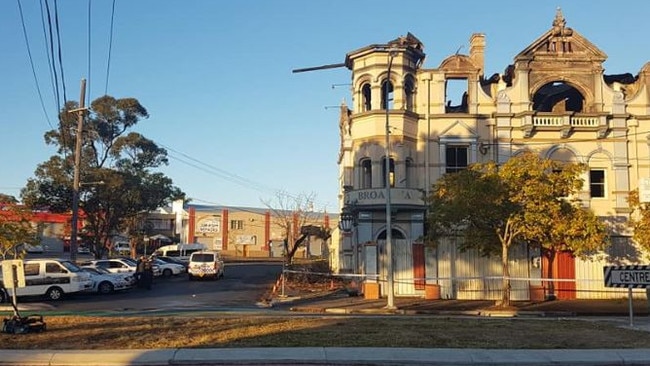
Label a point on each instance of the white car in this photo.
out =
(205, 264)
(105, 282)
(31, 248)
(119, 265)
(113, 265)
(168, 269)
(83, 249)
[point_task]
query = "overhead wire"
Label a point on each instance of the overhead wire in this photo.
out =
(47, 51)
(88, 78)
(210, 169)
(234, 178)
(57, 95)
(60, 56)
(110, 47)
(31, 63)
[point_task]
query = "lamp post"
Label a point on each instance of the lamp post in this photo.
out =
(389, 234)
(346, 224)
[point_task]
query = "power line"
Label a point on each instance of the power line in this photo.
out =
(47, 52)
(58, 41)
(234, 178)
(110, 47)
(31, 62)
(219, 172)
(57, 96)
(88, 78)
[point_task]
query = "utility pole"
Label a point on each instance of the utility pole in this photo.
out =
(77, 164)
(389, 227)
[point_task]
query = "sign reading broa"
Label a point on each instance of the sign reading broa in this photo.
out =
(399, 196)
(627, 276)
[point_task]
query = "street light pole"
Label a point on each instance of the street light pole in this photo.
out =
(75, 184)
(389, 234)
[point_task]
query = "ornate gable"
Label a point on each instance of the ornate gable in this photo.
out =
(459, 129)
(562, 43)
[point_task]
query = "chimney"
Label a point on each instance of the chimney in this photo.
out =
(477, 51)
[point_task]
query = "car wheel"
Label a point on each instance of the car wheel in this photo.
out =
(105, 287)
(54, 293)
(167, 272)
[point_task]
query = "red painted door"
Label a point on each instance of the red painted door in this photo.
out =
(566, 269)
(419, 272)
(563, 270)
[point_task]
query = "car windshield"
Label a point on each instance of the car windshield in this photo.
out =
(203, 257)
(91, 270)
(102, 270)
(130, 261)
(70, 266)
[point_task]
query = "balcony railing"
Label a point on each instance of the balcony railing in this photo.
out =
(558, 121)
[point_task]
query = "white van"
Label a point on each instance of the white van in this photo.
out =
(179, 251)
(52, 278)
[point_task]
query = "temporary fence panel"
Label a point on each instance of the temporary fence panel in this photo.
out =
(467, 275)
(590, 282)
(431, 265)
(446, 252)
(403, 269)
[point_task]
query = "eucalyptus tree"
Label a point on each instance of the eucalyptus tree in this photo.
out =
(117, 173)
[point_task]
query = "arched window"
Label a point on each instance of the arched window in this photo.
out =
(558, 97)
(366, 97)
(365, 180)
(391, 174)
(409, 93)
(387, 95)
(408, 176)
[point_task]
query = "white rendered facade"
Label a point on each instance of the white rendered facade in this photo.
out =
(554, 99)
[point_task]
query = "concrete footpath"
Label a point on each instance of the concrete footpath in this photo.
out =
(326, 356)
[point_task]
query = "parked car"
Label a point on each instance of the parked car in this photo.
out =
(113, 265)
(31, 248)
(205, 264)
(181, 252)
(52, 278)
(173, 261)
(83, 249)
(121, 248)
(105, 282)
(169, 269)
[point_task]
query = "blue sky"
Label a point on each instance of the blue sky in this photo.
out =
(215, 76)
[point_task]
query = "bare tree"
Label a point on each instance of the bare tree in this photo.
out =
(295, 216)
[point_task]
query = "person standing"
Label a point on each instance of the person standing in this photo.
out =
(147, 274)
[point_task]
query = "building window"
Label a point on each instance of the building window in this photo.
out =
(597, 183)
(409, 93)
(456, 95)
(387, 95)
(366, 97)
(391, 174)
(236, 224)
(456, 159)
(366, 174)
(408, 177)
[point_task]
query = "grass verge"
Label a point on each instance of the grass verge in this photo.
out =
(70, 332)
